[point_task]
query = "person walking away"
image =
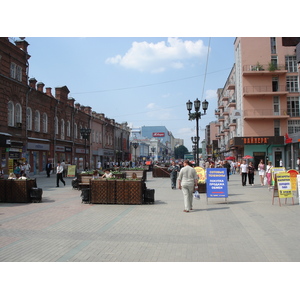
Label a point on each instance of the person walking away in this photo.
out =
(261, 172)
(17, 170)
(27, 168)
(227, 166)
(244, 172)
(269, 174)
(187, 182)
(251, 173)
(59, 174)
(48, 168)
(173, 175)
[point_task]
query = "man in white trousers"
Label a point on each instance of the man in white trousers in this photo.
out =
(187, 182)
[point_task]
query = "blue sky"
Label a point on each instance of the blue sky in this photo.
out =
(140, 80)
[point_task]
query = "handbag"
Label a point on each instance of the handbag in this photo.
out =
(196, 195)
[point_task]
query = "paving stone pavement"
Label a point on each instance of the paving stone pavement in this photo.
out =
(62, 229)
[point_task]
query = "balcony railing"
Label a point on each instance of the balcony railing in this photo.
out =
(265, 67)
(264, 89)
(264, 113)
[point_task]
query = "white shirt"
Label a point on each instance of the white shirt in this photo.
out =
(59, 169)
(244, 168)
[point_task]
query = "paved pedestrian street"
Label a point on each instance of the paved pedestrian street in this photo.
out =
(62, 229)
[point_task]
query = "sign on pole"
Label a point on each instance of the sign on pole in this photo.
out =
(216, 183)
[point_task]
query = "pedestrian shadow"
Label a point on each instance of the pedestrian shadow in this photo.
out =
(209, 209)
(159, 202)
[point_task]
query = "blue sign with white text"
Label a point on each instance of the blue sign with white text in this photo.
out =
(216, 183)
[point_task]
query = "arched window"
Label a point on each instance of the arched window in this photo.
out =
(68, 128)
(29, 118)
(75, 131)
(62, 129)
(56, 125)
(45, 123)
(10, 115)
(37, 121)
(18, 113)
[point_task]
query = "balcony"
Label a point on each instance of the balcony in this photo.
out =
(265, 114)
(267, 69)
(264, 90)
(217, 112)
(232, 103)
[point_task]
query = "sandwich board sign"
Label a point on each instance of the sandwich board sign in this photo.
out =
(216, 183)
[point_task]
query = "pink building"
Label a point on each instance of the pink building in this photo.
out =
(258, 107)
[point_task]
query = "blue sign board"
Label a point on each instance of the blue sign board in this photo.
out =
(216, 183)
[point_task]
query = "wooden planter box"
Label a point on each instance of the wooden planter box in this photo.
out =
(202, 187)
(117, 191)
(16, 190)
(129, 191)
(103, 191)
(160, 172)
(140, 174)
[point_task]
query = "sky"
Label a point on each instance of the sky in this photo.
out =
(144, 81)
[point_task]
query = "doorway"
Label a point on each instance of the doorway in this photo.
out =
(278, 157)
(257, 157)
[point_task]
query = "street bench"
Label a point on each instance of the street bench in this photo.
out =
(84, 182)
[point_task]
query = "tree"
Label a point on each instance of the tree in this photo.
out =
(180, 151)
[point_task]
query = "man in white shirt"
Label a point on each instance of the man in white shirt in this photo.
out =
(59, 174)
(188, 182)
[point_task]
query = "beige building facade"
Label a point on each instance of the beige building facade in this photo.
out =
(258, 110)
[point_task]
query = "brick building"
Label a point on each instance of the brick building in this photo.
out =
(39, 126)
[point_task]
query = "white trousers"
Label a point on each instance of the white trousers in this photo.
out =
(187, 191)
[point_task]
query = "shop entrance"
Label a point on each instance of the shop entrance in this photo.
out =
(257, 157)
(278, 157)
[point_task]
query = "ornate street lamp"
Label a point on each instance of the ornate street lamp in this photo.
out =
(153, 152)
(135, 145)
(196, 116)
(85, 133)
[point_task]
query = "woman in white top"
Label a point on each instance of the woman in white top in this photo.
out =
(261, 171)
(244, 172)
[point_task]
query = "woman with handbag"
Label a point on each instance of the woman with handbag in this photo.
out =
(269, 174)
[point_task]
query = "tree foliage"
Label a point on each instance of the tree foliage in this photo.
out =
(180, 151)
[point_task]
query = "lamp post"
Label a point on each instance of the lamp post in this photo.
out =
(135, 145)
(153, 152)
(196, 116)
(85, 133)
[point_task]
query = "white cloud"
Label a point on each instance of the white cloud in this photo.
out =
(154, 58)
(158, 113)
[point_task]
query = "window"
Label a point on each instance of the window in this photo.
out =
(68, 128)
(291, 63)
(75, 131)
(276, 105)
(274, 61)
(273, 45)
(62, 129)
(13, 70)
(45, 123)
(19, 73)
(275, 85)
(37, 121)
(18, 112)
(29, 118)
(293, 126)
(292, 84)
(56, 125)
(80, 136)
(10, 114)
(293, 106)
(276, 127)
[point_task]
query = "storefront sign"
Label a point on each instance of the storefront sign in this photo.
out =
(216, 183)
(35, 146)
(284, 185)
(71, 171)
(82, 151)
(59, 149)
(68, 149)
(267, 140)
(293, 174)
(158, 134)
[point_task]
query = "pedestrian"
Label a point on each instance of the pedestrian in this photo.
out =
(173, 175)
(261, 172)
(244, 172)
(59, 174)
(17, 170)
(298, 163)
(107, 174)
(99, 165)
(27, 168)
(187, 182)
(227, 166)
(1, 173)
(269, 174)
(63, 164)
(48, 168)
(251, 173)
